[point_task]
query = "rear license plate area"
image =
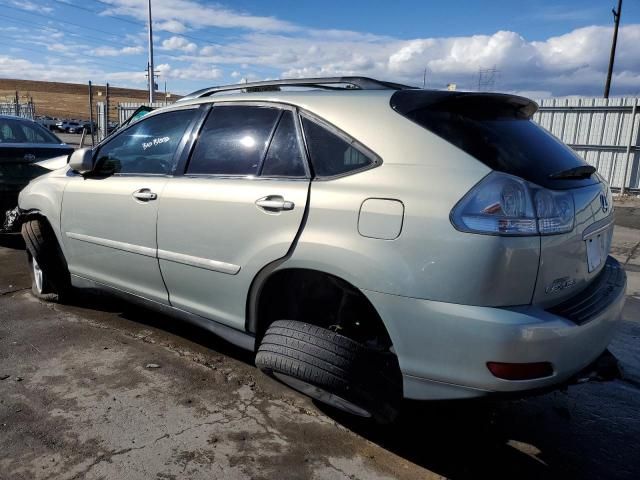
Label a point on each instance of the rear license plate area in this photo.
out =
(598, 249)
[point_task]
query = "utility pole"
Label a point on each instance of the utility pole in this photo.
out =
(93, 138)
(106, 106)
(150, 63)
(616, 19)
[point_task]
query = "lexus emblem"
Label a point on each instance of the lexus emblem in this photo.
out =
(29, 157)
(604, 202)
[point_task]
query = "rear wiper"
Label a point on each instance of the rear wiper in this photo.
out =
(581, 171)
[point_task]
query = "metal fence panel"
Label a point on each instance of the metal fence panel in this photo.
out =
(605, 132)
(25, 110)
(126, 109)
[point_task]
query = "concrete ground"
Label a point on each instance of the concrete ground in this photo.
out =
(74, 139)
(102, 389)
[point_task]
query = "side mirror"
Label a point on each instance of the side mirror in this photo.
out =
(81, 160)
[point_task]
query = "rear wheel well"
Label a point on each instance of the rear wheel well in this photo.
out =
(323, 300)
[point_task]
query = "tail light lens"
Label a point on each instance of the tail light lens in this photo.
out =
(520, 371)
(502, 204)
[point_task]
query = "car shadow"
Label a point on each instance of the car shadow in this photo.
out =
(13, 241)
(94, 303)
(455, 439)
(533, 438)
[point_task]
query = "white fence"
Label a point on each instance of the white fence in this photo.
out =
(125, 110)
(25, 110)
(605, 132)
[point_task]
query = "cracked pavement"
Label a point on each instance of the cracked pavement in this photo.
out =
(77, 400)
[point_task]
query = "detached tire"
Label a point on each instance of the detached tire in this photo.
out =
(330, 368)
(50, 279)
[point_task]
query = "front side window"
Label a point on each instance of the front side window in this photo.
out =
(147, 147)
(233, 140)
(332, 155)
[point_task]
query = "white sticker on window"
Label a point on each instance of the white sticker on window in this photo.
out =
(156, 141)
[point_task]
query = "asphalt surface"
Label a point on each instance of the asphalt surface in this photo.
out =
(102, 389)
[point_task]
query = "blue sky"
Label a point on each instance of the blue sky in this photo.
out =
(540, 48)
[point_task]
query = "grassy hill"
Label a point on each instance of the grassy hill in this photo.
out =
(69, 100)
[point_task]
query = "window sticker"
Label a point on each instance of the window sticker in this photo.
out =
(154, 142)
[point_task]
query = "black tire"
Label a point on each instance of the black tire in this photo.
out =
(330, 368)
(44, 254)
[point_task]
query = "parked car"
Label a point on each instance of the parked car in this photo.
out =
(368, 243)
(23, 143)
(47, 122)
(82, 126)
(69, 126)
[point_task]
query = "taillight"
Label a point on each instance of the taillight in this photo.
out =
(502, 204)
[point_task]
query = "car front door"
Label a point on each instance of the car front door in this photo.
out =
(238, 207)
(109, 216)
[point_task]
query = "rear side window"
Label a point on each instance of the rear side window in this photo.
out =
(146, 147)
(284, 157)
(233, 140)
(331, 154)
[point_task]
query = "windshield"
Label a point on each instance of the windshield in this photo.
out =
(13, 130)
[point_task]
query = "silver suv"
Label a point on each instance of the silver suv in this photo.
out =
(368, 240)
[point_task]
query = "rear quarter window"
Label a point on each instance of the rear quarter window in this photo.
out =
(332, 154)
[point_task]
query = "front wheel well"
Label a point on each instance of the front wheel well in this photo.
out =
(320, 299)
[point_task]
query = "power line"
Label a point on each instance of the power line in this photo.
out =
(104, 62)
(78, 7)
(142, 24)
(87, 39)
(92, 29)
(134, 22)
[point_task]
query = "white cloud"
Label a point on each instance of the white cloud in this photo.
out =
(179, 43)
(58, 47)
(172, 26)
(574, 63)
(174, 14)
(30, 6)
(201, 72)
(115, 52)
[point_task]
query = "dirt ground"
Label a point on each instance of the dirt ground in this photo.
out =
(102, 389)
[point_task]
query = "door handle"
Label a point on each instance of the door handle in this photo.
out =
(274, 203)
(144, 195)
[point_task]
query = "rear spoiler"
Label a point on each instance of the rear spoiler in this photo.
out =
(465, 103)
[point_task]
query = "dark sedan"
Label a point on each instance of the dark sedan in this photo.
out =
(22, 143)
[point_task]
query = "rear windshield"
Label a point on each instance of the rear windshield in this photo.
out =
(507, 143)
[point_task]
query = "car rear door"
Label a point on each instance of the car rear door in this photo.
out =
(237, 208)
(109, 216)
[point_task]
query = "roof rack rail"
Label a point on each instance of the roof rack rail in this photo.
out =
(326, 83)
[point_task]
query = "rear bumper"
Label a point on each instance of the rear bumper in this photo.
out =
(443, 348)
